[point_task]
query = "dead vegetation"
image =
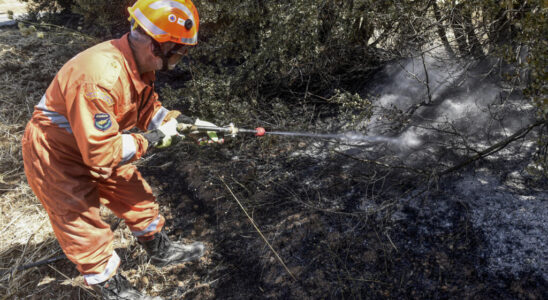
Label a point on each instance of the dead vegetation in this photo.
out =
(29, 58)
(344, 219)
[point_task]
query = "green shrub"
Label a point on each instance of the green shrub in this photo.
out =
(300, 51)
(36, 6)
(101, 17)
(107, 15)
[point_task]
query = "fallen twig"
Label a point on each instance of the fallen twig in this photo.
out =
(85, 288)
(258, 230)
(198, 286)
(382, 164)
(10, 223)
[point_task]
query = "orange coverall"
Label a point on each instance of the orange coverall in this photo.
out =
(76, 155)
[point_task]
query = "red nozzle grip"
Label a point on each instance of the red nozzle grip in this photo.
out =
(259, 131)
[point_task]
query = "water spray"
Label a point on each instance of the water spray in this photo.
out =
(260, 131)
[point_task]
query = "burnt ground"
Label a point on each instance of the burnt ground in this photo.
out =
(349, 220)
(367, 221)
(313, 214)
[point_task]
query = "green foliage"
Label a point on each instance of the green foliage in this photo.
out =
(353, 109)
(304, 52)
(252, 51)
(106, 14)
(36, 6)
(100, 16)
(527, 51)
(283, 44)
(534, 29)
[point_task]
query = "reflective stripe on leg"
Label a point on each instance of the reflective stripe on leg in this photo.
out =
(109, 271)
(150, 228)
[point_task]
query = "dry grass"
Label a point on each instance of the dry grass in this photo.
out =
(17, 7)
(29, 58)
(26, 233)
(28, 62)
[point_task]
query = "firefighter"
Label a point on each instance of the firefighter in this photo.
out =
(77, 151)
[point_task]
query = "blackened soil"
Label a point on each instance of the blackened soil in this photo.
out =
(317, 215)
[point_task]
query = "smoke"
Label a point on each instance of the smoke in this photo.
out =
(431, 116)
(434, 115)
(467, 108)
(410, 139)
(430, 104)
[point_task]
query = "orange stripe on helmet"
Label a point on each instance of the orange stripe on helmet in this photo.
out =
(167, 20)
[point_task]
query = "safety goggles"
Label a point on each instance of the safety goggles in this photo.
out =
(171, 48)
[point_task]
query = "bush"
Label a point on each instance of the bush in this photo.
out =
(106, 14)
(100, 17)
(251, 52)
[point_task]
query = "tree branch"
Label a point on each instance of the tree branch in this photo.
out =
(495, 148)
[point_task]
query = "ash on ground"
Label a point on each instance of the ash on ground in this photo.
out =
(375, 220)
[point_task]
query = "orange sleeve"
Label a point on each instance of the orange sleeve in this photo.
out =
(90, 112)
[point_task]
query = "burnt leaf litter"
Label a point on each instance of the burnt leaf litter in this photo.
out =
(348, 221)
(312, 213)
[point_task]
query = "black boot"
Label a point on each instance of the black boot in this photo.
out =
(163, 251)
(119, 288)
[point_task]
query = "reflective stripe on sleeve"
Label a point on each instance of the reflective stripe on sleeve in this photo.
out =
(128, 148)
(54, 117)
(158, 118)
(150, 228)
(111, 268)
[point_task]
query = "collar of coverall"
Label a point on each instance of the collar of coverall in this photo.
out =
(140, 81)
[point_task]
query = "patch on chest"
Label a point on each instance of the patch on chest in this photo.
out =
(102, 121)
